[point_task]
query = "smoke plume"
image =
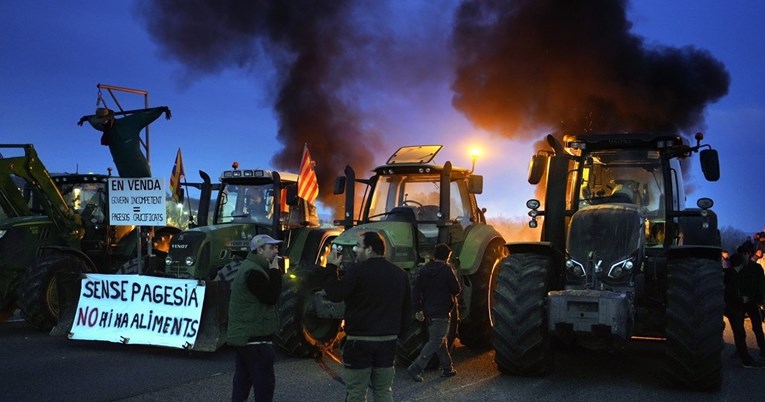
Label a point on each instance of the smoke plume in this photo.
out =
(574, 65)
(310, 44)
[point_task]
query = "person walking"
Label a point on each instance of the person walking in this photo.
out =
(377, 298)
(253, 319)
(734, 310)
(433, 295)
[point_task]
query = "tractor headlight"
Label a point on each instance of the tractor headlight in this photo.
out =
(168, 261)
(620, 268)
(189, 261)
(575, 268)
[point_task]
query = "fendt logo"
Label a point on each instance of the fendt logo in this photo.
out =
(179, 245)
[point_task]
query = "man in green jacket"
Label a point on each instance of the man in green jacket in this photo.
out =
(253, 319)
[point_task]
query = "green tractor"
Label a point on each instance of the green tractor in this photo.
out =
(52, 224)
(414, 204)
(250, 202)
(621, 258)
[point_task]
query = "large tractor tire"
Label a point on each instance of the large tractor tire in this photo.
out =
(694, 323)
(521, 339)
(476, 330)
(302, 333)
(38, 288)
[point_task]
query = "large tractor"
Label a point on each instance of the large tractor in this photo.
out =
(414, 204)
(621, 258)
(250, 202)
(55, 223)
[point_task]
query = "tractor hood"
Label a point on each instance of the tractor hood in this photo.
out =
(602, 239)
(398, 237)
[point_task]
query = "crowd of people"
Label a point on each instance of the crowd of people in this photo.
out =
(744, 277)
(379, 304)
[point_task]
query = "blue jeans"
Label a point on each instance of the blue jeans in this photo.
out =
(254, 369)
(437, 344)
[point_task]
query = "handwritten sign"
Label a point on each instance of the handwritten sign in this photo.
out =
(136, 309)
(139, 201)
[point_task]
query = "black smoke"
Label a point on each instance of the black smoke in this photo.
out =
(525, 65)
(309, 43)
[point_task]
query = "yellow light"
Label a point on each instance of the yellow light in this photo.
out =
(475, 153)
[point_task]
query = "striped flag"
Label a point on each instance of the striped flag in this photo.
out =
(175, 177)
(308, 186)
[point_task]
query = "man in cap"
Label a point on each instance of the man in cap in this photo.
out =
(253, 319)
(123, 137)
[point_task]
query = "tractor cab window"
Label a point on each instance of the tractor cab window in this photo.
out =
(86, 199)
(243, 203)
(417, 196)
(633, 178)
(606, 179)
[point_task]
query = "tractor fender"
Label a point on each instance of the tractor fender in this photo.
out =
(707, 252)
(68, 250)
(474, 246)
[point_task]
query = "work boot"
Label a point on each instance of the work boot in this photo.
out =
(753, 364)
(415, 373)
(446, 373)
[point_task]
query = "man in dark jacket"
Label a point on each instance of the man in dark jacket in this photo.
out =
(734, 309)
(751, 282)
(377, 300)
(433, 295)
(253, 319)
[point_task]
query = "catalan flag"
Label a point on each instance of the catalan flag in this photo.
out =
(175, 177)
(308, 186)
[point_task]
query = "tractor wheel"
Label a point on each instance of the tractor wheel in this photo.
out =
(694, 323)
(38, 288)
(521, 340)
(302, 334)
(228, 272)
(475, 330)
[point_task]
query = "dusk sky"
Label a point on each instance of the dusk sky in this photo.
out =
(225, 88)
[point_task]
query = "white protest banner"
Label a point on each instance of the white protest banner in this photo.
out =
(137, 309)
(139, 201)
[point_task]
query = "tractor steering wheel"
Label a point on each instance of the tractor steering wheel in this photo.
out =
(405, 202)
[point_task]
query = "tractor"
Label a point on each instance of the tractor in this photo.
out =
(620, 259)
(55, 223)
(250, 202)
(414, 204)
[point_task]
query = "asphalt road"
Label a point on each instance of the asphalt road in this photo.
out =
(35, 366)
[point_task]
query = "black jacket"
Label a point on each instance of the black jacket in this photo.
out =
(377, 297)
(435, 289)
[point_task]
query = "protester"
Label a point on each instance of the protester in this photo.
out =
(734, 310)
(725, 259)
(751, 284)
(377, 300)
(253, 319)
(433, 295)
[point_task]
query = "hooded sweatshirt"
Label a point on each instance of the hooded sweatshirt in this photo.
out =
(434, 290)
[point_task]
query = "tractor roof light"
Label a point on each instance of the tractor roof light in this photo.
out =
(533, 204)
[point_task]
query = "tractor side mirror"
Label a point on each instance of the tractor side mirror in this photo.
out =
(536, 168)
(475, 184)
(339, 185)
(710, 164)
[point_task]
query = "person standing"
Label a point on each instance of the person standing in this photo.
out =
(734, 310)
(377, 300)
(433, 295)
(751, 283)
(253, 319)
